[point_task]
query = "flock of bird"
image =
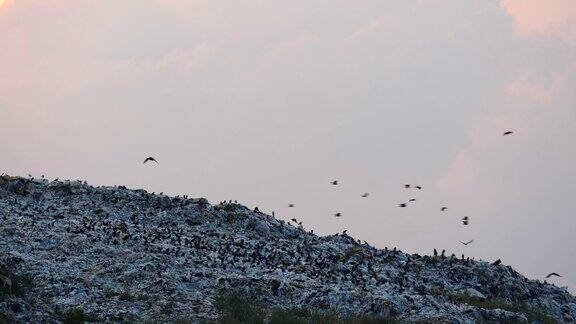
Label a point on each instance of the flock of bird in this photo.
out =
(465, 219)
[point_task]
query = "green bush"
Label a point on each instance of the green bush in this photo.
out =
(369, 320)
(357, 319)
(3, 318)
(290, 316)
(12, 284)
(235, 309)
(533, 314)
(76, 316)
(20, 283)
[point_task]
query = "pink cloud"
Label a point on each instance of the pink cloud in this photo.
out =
(475, 165)
(544, 17)
(521, 98)
(526, 89)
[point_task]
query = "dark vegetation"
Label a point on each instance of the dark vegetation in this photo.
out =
(236, 309)
(76, 316)
(534, 315)
(12, 285)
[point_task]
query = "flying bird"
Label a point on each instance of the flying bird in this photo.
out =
(413, 199)
(291, 205)
(406, 186)
(294, 220)
(150, 159)
(338, 214)
(366, 195)
(418, 187)
(402, 205)
(508, 133)
(465, 220)
(466, 243)
(443, 208)
(553, 274)
(335, 182)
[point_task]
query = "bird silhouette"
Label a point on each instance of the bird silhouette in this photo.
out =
(402, 205)
(291, 205)
(553, 274)
(497, 262)
(406, 186)
(508, 133)
(335, 182)
(366, 195)
(412, 200)
(418, 187)
(338, 214)
(466, 243)
(443, 208)
(294, 220)
(150, 159)
(465, 220)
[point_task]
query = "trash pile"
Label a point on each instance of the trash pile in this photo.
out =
(113, 254)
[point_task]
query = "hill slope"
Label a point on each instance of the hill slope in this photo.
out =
(71, 251)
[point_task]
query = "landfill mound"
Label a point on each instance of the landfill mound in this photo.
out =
(71, 252)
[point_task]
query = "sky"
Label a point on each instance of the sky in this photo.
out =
(267, 102)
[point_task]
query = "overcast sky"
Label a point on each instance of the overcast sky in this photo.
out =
(267, 101)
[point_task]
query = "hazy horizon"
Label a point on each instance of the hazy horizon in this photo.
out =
(267, 102)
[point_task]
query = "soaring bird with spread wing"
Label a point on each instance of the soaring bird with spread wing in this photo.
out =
(148, 159)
